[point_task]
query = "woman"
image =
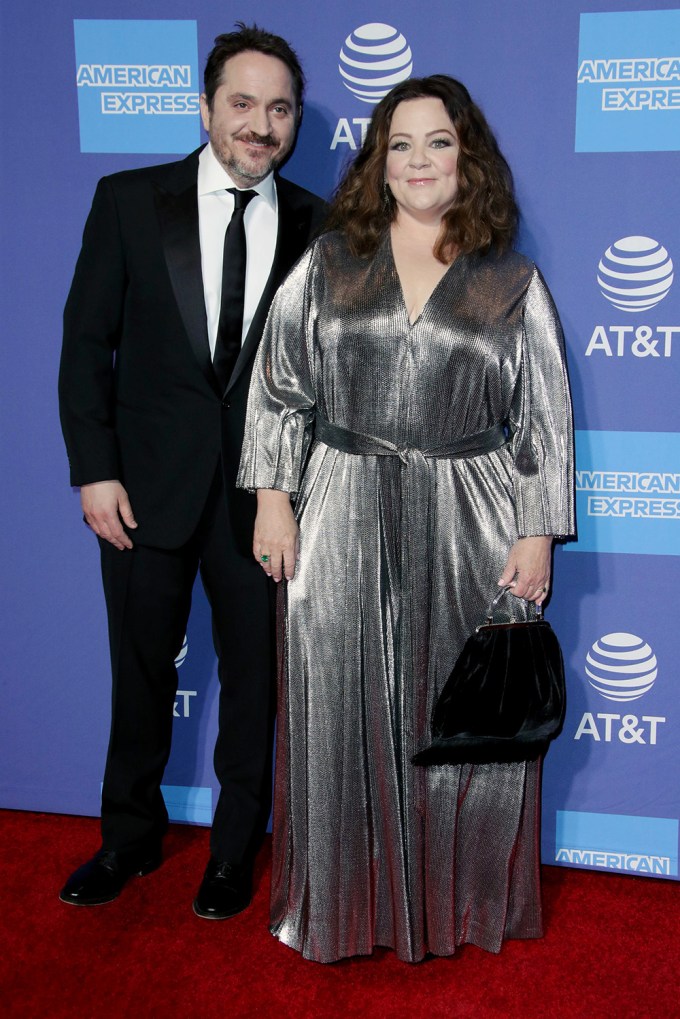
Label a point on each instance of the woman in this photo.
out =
(411, 396)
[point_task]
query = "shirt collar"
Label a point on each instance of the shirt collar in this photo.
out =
(213, 178)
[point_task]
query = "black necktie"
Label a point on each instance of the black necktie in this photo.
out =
(228, 344)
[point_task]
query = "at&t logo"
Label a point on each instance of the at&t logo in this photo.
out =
(621, 667)
(635, 274)
(181, 657)
(182, 706)
(183, 710)
(373, 58)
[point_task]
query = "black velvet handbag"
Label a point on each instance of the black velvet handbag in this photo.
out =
(505, 698)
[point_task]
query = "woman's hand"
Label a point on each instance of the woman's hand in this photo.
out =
(275, 541)
(527, 570)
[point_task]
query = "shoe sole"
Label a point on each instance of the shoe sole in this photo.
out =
(88, 902)
(218, 916)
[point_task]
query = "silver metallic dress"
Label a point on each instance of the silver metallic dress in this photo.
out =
(401, 547)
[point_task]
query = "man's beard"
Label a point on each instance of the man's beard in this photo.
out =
(246, 170)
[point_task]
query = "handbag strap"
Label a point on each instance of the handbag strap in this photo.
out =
(538, 609)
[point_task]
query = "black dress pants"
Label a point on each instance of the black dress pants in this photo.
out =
(148, 598)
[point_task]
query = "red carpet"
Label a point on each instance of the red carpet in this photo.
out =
(612, 948)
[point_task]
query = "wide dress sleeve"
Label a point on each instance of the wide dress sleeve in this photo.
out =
(280, 416)
(541, 422)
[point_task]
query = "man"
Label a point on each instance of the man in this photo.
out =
(160, 329)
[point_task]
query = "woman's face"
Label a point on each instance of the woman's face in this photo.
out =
(422, 159)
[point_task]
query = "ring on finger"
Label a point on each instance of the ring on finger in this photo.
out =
(264, 558)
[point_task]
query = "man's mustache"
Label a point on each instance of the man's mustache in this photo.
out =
(258, 139)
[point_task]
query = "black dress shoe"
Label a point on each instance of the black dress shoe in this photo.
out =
(101, 879)
(226, 889)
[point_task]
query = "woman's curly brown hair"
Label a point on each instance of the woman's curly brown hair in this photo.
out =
(483, 214)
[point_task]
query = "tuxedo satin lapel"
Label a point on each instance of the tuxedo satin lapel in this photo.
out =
(178, 215)
(291, 241)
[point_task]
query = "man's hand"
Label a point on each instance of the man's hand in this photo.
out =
(105, 504)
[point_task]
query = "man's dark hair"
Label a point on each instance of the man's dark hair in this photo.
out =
(254, 39)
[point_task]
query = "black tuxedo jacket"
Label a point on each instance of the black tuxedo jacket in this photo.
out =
(139, 400)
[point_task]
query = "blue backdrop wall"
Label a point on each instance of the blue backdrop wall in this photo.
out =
(585, 99)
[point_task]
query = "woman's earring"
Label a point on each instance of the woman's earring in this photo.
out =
(386, 194)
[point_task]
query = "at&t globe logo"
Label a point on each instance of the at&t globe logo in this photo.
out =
(373, 59)
(183, 652)
(635, 274)
(621, 667)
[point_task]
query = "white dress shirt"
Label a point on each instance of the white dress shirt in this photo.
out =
(261, 221)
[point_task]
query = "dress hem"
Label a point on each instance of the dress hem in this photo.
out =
(481, 941)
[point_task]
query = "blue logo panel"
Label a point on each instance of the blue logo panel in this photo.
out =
(138, 86)
(188, 803)
(627, 492)
(643, 845)
(628, 91)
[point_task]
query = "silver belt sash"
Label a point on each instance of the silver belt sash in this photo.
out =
(348, 441)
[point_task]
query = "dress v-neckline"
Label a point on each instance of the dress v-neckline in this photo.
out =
(412, 323)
